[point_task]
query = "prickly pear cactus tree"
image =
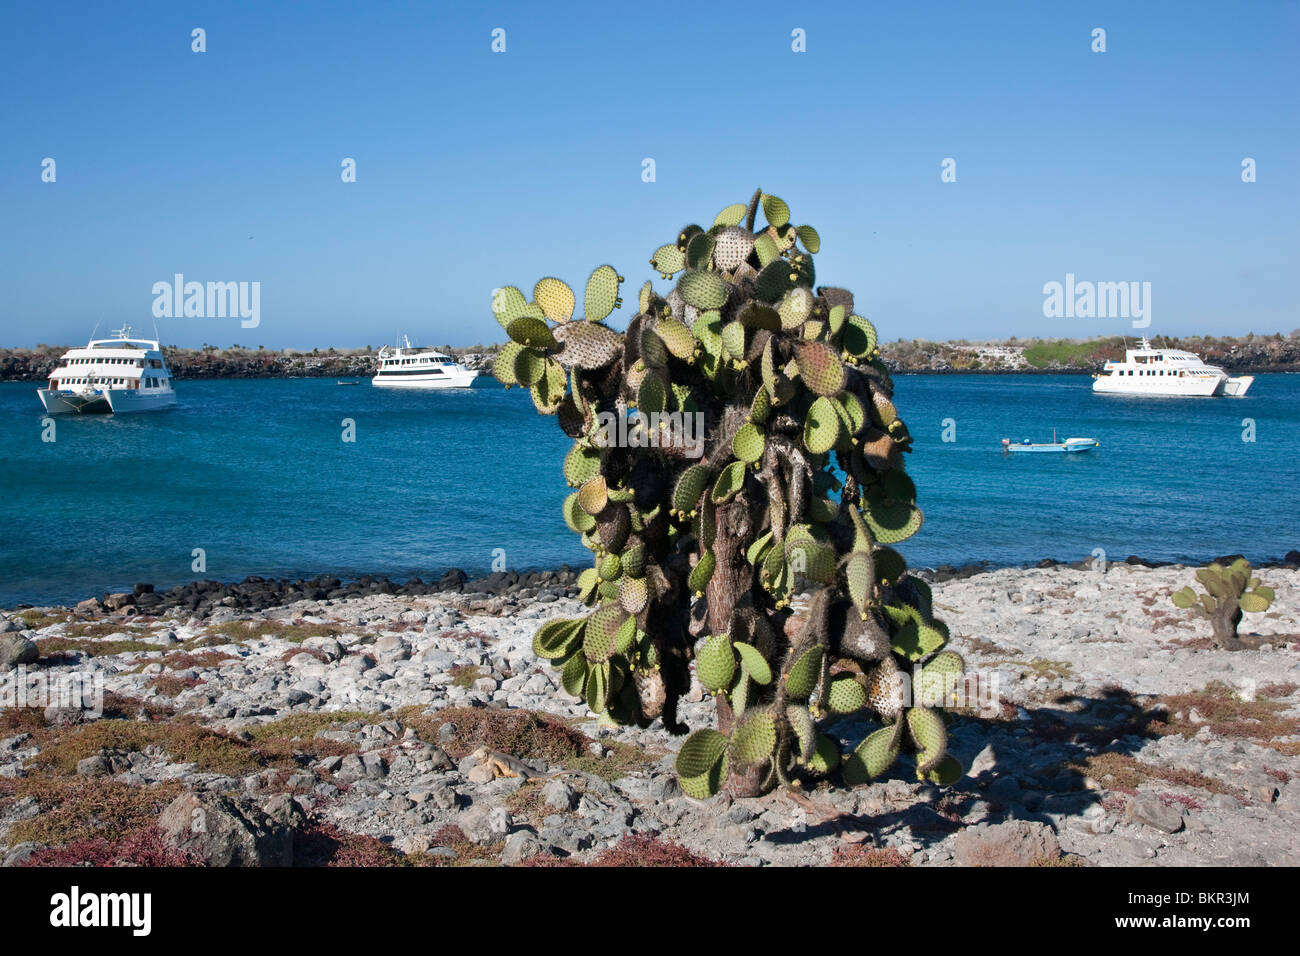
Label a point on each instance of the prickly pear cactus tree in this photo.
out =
(1228, 591)
(736, 446)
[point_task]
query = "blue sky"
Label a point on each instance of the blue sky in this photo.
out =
(476, 170)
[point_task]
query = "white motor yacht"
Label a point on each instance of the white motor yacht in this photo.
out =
(121, 374)
(407, 366)
(1151, 371)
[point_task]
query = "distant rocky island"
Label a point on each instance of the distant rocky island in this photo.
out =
(1250, 353)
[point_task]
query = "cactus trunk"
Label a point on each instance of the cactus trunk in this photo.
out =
(1224, 621)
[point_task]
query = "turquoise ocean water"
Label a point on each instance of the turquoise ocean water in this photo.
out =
(255, 473)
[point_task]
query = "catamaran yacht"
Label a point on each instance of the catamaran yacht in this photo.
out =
(121, 374)
(407, 366)
(1151, 371)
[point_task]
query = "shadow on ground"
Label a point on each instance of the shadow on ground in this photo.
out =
(1019, 768)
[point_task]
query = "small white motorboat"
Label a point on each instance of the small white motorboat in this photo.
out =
(1069, 447)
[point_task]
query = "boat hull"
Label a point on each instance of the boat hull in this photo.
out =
(1071, 446)
(1176, 388)
(104, 401)
(74, 403)
(454, 380)
(1049, 450)
(140, 400)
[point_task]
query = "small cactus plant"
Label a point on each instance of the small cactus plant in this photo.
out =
(797, 482)
(1228, 592)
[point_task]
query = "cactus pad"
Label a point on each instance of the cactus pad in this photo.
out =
(690, 486)
(729, 482)
(555, 299)
(819, 368)
(530, 366)
(755, 664)
(884, 686)
(775, 211)
(601, 631)
(581, 465)
(703, 290)
(708, 749)
(845, 696)
(795, 308)
(715, 664)
(601, 297)
(754, 739)
(748, 443)
(593, 495)
(926, 728)
(668, 260)
(677, 338)
(504, 366)
(774, 281)
(872, 758)
(702, 572)
(586, 345)
(893, 521)
(939, 678)
(809, 238)
(825, 757)
(945, 773)
(508, 304)
(821, 430)
(805, 671)
(557, 638)
(859, 336)
(700, 752)
(732, 246)
(733, 215)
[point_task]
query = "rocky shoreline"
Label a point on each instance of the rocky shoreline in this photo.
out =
(257, 593)
(377, 724)
(1246, 354)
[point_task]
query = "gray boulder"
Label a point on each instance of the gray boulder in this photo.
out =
(95, 765)
(521, 846)
(226, 832)
(1013, 843)
(16, 649)
(484, 823)
(558, 795)
(20, 853)
(1149, 809)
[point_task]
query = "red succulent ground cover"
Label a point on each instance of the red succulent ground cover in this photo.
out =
(143, 847)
